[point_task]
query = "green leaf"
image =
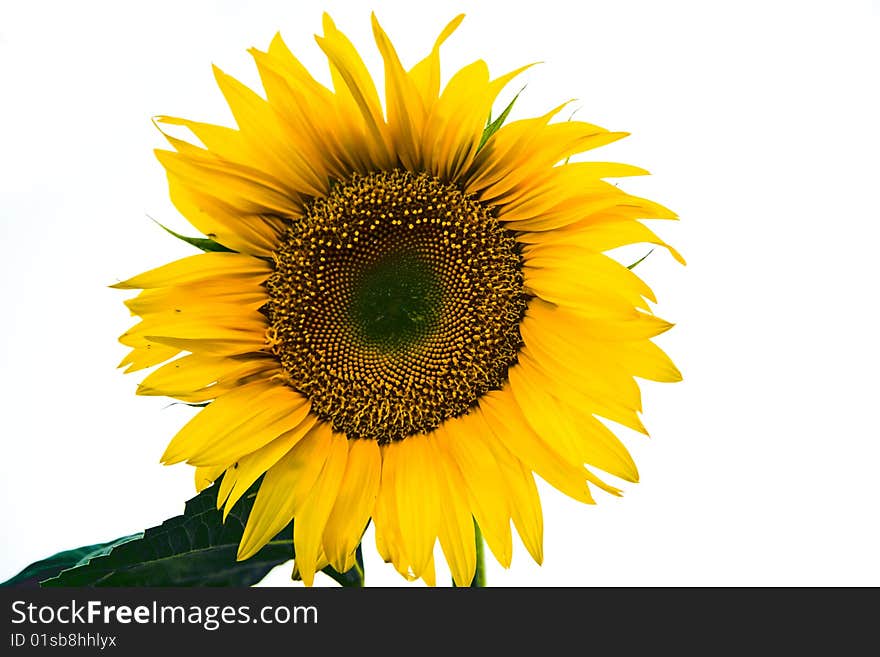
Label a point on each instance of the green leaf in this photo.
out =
(193, 549)
(52, 566)
(640, 260)
(493, 126)
(203, 243)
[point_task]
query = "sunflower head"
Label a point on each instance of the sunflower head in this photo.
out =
(406, 312)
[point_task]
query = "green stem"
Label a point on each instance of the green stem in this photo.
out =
(359, 567)
(479, 580)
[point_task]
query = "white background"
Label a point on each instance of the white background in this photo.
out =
(758, 121)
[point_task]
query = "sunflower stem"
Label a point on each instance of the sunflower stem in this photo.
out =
(359, 566)
(479, 580)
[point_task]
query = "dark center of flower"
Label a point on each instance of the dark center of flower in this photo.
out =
(396, 300)
(395, 303)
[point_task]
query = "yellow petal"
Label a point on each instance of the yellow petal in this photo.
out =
(197, 268)
(551, 203)
(457, 538)
(426, 74)
(584, 209)
(590, 394)
(295, 76)
(308, 527)
(214, 346)
(237, 423)
(576, 278)
(217, 323)
(283, 490)
(330, 121)
(205, 476)
(583, 365)
(598, 272)
(245, 294)
(518, 161)
(577, 436)
(582, 359)
(220, 142)
(146, 354)
(455, 123)
(418, 500)
(249, 468)
(558, 209)
(297, 98)
(576, 324)
(389, 539)
(525, 505)
(406, 111)
(464, 439)
(204, 376)
(230, 476)
(219, 331)
(322, 563)
(263, 137)
(534, 168)
(429, 575)
(250, 232)
(646, 360)
(241, 187)
(503, 148)
(606, 235)
(507, 425)
(354, 503)
(351, 79)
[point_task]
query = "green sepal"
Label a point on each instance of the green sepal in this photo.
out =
(493, 126)
(640, 260)
(194, 549)
(204, 243)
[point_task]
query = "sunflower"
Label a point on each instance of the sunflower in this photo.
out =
(403, 313)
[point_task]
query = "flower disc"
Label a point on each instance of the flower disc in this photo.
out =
(395, 304)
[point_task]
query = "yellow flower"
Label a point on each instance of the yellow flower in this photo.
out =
(413, 313)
